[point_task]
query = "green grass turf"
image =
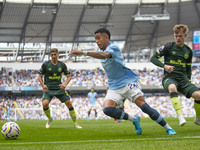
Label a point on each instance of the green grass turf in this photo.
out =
(102, 135)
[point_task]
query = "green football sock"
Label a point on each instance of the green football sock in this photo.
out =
(47, 113)
(197, 108)
(177, 105)
(73, 116)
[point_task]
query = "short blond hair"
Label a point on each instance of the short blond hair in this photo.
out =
(53, 50)
(181, 27)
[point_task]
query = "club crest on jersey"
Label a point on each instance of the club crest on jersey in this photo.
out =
(186, 56)
(173, 53)
(59, 69)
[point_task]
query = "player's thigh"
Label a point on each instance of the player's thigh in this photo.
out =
(62, 95)
(46, 98)
(187, 88)
(92, 106)
(168, 82)
(113, 98)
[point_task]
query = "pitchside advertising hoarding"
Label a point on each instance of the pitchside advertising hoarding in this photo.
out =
(196, 43)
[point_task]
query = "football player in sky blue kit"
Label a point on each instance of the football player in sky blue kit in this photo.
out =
(122, 83)
(92, 95)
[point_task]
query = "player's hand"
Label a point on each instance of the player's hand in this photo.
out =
(75, 52)
(45, 88)
(62, 86)
(169, 68)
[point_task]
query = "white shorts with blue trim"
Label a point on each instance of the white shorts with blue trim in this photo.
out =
(131, 92)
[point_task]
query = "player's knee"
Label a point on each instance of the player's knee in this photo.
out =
(172, 88)
(108, 111)
(196, 96)
(45, 104)
(68, 103)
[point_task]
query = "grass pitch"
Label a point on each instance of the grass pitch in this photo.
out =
(103, 135)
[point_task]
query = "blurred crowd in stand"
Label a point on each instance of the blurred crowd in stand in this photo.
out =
(95, 77)
(31, 107)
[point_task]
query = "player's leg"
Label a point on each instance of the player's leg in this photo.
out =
(72, 113)
(95, 111)
(64, 98)
(116, 113)
(171, 86)
(191, 90)
(89, 113)
(45, 103)
(153, 114)
(46, 109)
(135, 95)
(196, 96)
(112, 99)
(118, 120)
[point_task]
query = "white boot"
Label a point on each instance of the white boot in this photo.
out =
(182, 120)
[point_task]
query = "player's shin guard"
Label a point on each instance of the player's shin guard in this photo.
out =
(153, 114)
(176, 102)
(115, 113)
(73, 115)
(197, 108)
(47, 113)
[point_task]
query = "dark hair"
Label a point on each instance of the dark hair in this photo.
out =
(54, 50)
(103, 30)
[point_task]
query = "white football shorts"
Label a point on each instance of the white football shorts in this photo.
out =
(92, 106)
(131, 92)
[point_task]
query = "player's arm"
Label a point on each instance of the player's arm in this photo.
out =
(161, 52)
(69, 77)
(189, 71)
(188, 66)
(98, 55)
(155, 60)
(41, 73)
(63, 86)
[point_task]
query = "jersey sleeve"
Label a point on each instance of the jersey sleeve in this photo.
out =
(113, 50)
(164, 49)
(161, 52)
(65, 70)
(42, 69)
(155, 60)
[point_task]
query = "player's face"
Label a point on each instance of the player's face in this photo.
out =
(179, 38)
(54, 56)
(92, 90)
(101, 40)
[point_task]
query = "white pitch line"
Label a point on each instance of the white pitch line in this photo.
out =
(95, 141)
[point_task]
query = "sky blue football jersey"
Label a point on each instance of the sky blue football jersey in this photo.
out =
(92, 97)
(118, 74)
